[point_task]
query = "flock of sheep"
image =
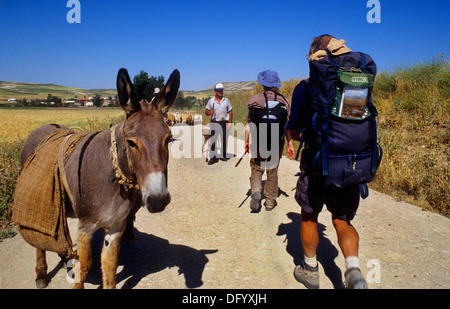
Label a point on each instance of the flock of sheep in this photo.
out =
(188, 118)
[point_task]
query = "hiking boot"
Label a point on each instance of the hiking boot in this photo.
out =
(256, 201)
(270, 204)
(354, 279)
(307, 275)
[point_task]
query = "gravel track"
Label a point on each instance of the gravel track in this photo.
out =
(208, 238)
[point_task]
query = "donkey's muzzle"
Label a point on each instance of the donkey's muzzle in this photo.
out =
(157, 203)
(154, 192)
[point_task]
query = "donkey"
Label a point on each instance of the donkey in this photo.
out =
(102, 197)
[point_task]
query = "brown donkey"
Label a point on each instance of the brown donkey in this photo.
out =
(106, 191)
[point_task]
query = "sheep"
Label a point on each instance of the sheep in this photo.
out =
(177, 117)
(170, 119)
(187, 118)
(198, 119)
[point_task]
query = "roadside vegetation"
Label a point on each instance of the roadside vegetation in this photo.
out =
(414, 106)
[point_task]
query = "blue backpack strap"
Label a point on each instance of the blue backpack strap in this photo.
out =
(324, 137)
(363, 62)
(332, 60)
(364, 190)
(374, 145)
(325, 117)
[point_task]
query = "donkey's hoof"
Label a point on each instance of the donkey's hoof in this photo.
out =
(41, 283)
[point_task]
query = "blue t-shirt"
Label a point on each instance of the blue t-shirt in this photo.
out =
(299, 107)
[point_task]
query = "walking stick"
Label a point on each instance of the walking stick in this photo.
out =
(241, 159)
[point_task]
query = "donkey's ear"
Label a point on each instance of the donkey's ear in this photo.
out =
(165, 98)
(126, 94)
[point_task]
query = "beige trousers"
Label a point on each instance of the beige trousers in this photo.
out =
(271, 186)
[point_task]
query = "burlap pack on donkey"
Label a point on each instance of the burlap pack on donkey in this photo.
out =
(40, 194)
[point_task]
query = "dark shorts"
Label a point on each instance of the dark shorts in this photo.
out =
(311, 194)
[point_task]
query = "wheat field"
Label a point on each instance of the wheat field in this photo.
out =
(17, 124)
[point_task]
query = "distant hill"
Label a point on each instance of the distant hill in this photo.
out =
(30, 91)
(230, 87)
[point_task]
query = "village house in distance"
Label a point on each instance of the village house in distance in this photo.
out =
(71, 102)
(77, 102)
(88, 102)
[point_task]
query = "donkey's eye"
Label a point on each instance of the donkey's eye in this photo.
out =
(132, 144)
(169, 139)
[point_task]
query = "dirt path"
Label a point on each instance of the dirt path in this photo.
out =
(208, 238)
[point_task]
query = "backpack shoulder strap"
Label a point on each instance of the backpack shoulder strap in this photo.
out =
(265, 97)
(267, 104)
(282, 96)
(362, 66)
(332, 60)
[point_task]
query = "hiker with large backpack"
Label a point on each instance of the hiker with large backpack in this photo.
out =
(266, 121)
(333, 114)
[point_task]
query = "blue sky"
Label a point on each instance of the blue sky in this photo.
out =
(209, 41)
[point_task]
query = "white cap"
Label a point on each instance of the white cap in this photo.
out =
(157, 90)
(219, 86)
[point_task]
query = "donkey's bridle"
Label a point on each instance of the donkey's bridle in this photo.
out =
(120, 177)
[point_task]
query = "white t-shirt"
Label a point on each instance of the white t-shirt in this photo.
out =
(220, 110)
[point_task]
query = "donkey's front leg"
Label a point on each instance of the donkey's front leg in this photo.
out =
(84, 256)
(110, 255)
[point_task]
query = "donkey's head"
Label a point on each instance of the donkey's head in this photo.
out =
(146, 137)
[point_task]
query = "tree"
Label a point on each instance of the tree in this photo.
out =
(190, 102)
(53, 99)
(182, 102)
(49, 99)
(145, 85)
(97, 100)
(179, 101)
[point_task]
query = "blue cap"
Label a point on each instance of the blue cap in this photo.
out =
(269, 78)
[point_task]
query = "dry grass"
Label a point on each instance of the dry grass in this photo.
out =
(414, 107)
